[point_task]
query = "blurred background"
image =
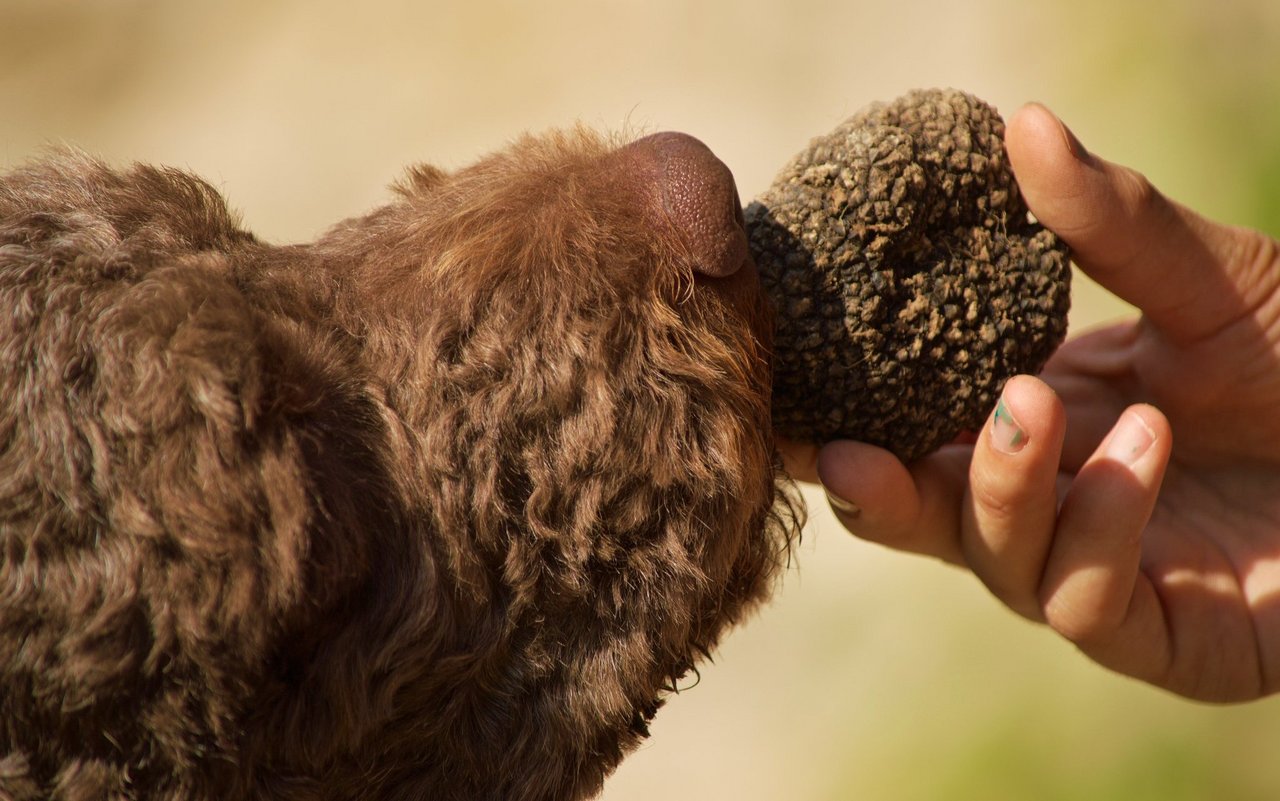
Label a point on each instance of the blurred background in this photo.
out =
(873, 675)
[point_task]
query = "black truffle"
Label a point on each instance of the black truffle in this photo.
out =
(909, 280)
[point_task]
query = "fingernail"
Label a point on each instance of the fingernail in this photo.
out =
(846, 508)
(1006, 435)
(1131, 438)
(1074, 145)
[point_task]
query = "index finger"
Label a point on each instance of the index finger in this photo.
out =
(1191, 277)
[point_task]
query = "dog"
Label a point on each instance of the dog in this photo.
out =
(439, 506)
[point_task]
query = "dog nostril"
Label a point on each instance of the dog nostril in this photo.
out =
(700, 201)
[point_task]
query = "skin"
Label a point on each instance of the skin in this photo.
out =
(1129, 497)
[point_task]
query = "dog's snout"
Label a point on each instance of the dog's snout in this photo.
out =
(699, 200)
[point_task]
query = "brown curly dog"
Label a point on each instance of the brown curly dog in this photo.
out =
(436, 507)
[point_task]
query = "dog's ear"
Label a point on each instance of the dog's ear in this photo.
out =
(419, 180)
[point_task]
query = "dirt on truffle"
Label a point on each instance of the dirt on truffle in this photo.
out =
(909, 280)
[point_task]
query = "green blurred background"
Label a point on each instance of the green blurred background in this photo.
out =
(873, 675)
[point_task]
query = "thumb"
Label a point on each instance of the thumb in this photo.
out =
(1189, 276)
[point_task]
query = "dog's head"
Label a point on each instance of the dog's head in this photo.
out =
(585, 406)
(439, 506)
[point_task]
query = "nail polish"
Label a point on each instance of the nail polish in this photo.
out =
(1006, 435)
(1130, 439)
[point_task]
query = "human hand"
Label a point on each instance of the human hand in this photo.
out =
(1131, 498)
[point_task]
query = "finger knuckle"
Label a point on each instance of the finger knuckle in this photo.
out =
(1080, 623)
(1255, 252)
(1000, 501)
(1138, 191)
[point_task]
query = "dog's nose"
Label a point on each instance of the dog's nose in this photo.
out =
(699, 201)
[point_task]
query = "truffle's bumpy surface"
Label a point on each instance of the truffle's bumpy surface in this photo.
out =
(909, 282)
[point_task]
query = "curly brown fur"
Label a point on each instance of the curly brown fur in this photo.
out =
(439, 506)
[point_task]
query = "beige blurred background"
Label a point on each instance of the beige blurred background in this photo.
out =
(873, 675)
